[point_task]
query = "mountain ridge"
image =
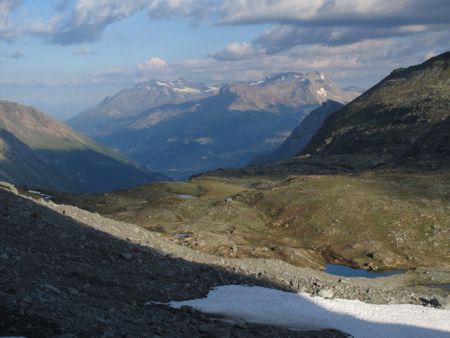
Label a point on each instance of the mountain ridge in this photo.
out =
(401, 124)
(130, 102)
(43, 153)
(389, 119)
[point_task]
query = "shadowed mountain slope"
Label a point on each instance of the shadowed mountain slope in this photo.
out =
(40, 152)
(300, 136)
(406, 114)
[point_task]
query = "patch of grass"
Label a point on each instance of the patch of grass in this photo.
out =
(376, 220)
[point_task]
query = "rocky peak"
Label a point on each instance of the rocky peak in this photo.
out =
(285, 91)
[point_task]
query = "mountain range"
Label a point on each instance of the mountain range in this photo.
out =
(225, 129)
(39, 152)
(107, 116)
(401, 123)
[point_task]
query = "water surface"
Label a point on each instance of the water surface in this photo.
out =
(346, 271)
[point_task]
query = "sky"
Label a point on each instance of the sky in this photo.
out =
(66, 55)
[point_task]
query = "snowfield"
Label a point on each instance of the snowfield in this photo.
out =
(302, 312)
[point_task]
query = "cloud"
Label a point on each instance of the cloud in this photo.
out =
(335, 22)
(287, 36)
(236, 51)
(12, 28)
(375, 13)
(349, 39)
(7, 30)
(84, 51)
(304, 21)
(361, 63)
(86, 20)
(154, 63)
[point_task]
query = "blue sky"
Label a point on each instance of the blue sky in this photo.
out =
(66, 55)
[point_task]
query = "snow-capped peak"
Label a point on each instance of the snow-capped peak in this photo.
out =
(187, 90)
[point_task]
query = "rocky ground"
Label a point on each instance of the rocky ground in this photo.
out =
(66, 272)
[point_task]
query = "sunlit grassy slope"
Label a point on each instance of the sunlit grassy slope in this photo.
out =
(376, 220)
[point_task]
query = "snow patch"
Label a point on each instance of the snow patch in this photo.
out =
(256, 83)
(322, 92)
(162, 84)
(302, 312)
(187, 90)
(212, 89)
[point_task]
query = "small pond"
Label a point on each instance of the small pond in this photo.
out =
(346, 271)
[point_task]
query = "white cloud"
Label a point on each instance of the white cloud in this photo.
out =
(236, 51)
(154, 63)
(7, 30)
(345, 38)
(87, 20)
(306, 21)
(362, 63)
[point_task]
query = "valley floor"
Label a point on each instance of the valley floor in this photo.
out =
(372, 220)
